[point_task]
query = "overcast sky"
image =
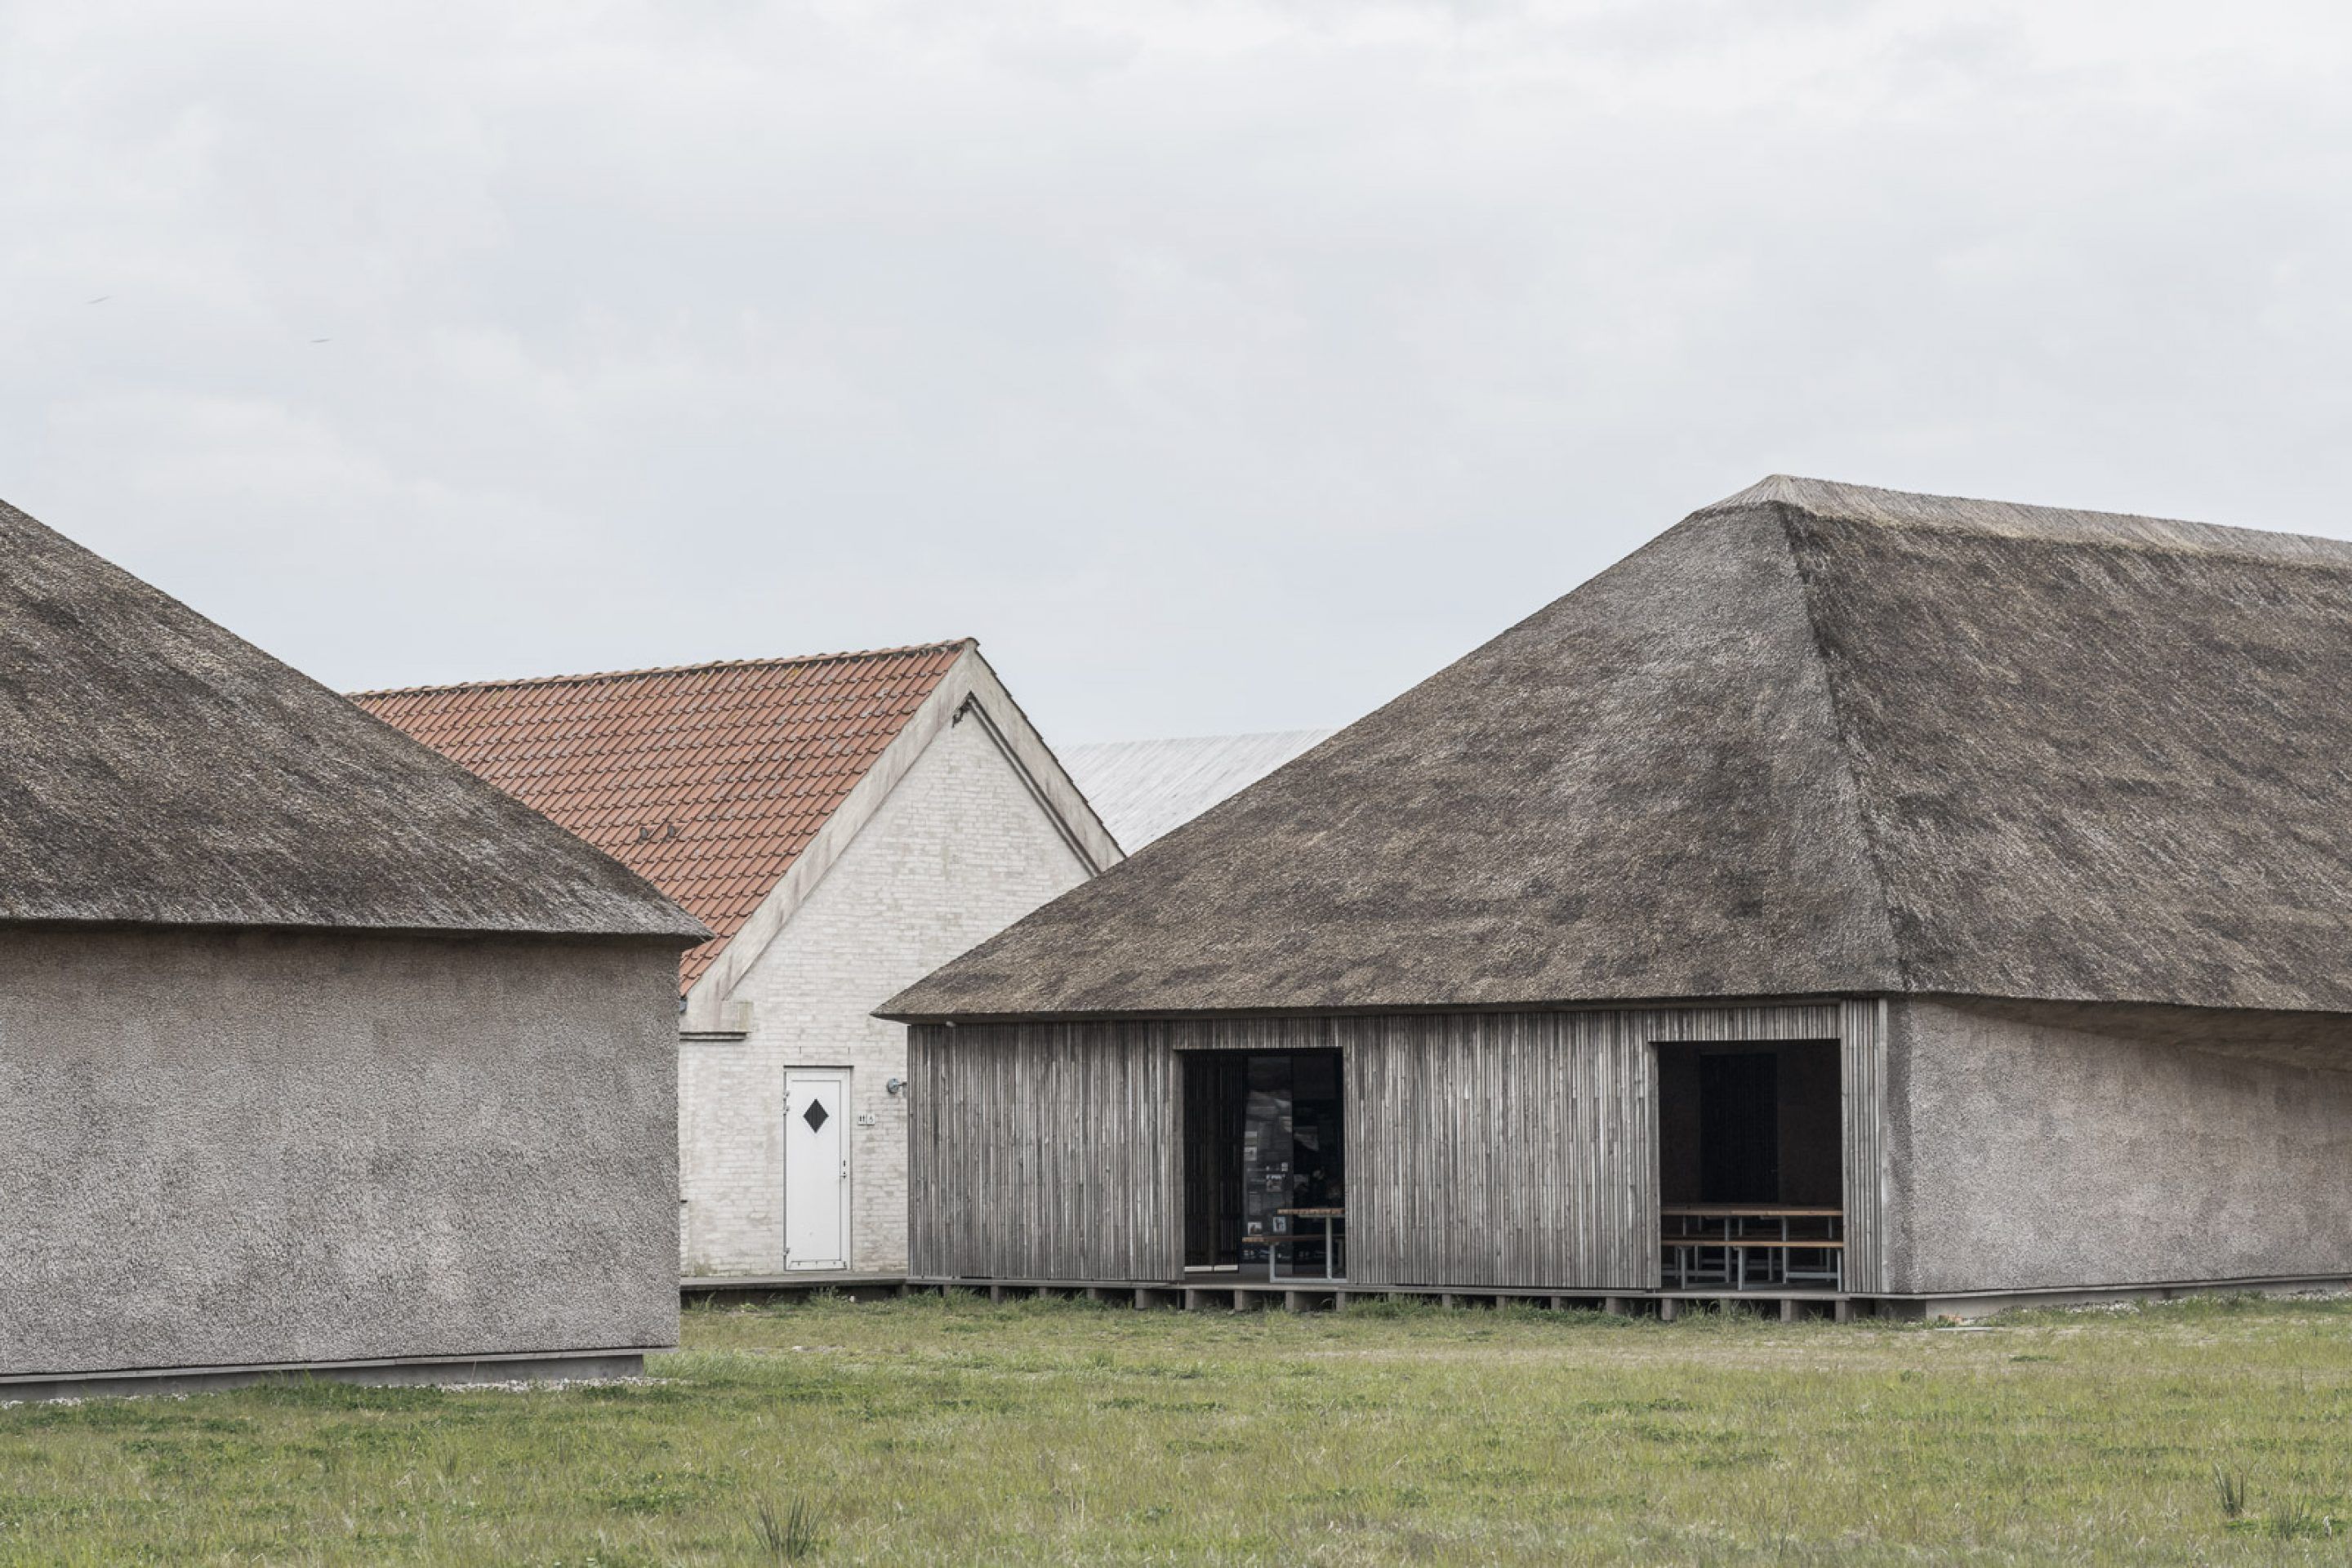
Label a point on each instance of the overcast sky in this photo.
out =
(1220, 366)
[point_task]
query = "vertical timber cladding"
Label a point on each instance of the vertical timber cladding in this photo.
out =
(1043, 1152)
(1509, 1150)
(1520, 1149)
(1861, 1077)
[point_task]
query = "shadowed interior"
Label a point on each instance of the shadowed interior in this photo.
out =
(1741, 1123)
(1263, 1131)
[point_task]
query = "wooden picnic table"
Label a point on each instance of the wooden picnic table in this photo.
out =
(1326, 1215)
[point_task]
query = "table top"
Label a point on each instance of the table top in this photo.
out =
(1315, 1214)
(1749, 1211)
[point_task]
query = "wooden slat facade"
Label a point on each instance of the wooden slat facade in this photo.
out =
(1862, 1078)
(1501, 1149)
(1043, 1152)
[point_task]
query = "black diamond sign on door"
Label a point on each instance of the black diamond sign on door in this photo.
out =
(815, 1116)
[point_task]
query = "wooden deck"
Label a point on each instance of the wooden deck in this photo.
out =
(858, 1287)
(1226, 1290)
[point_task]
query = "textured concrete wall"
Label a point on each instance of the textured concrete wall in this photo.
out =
(958, 851)
(221, 1148)
(2046, 1147)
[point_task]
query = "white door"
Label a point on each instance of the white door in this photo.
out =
(816, 1170)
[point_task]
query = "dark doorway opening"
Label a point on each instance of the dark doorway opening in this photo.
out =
(1264, 1132)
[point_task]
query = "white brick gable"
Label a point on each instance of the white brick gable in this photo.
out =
(959, 848)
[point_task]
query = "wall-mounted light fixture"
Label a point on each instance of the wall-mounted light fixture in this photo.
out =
(896, 1086)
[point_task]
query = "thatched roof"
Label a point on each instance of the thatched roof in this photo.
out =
(156, 770)
(1816, 739)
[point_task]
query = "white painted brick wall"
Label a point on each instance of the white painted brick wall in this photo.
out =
(958, 852)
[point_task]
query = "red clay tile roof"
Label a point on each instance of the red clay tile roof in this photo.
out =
(706, 779)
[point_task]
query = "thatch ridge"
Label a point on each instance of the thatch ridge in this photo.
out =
(2020, 520)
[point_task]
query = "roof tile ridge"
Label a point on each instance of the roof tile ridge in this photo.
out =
(1841, 732)
(586, 678)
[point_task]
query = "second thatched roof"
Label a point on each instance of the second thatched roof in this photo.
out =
(1816, 738)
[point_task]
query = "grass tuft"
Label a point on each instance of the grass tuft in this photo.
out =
(2230, 1491)
(788, 1536)
(2295, 1519)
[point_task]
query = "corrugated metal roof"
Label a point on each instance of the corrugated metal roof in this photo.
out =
(1143, 789)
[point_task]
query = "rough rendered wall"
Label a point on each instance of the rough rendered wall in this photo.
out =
(2037, 1147)
(958, 851)
(221, 1148)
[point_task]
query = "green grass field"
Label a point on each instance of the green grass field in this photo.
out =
(931, 1431)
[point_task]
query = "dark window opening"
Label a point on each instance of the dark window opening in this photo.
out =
(1741, 1123)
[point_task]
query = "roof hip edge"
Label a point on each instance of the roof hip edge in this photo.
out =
(1842, 739)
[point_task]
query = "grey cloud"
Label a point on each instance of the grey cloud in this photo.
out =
(1220, 366)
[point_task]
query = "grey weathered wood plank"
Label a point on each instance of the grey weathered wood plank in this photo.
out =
(1510, 1150)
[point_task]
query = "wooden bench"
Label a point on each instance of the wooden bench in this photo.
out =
(1743, 1245)
(1762, 1243)
(1768, 1229)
